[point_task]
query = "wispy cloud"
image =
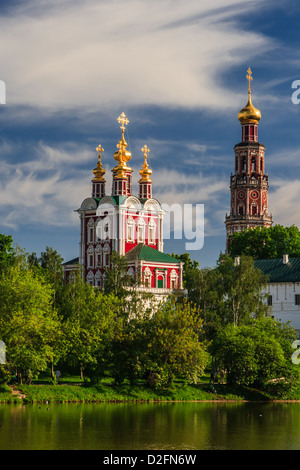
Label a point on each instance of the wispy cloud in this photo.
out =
(45, 189)
(104, 54)
(284, 201)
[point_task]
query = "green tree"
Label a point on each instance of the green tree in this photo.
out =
(128, 352)
(256, 353)
(51, 262)
(264, 243)
(175, 346)
(28, 322)
(229, 293)
(7, 252)
(190, 273)
(88, 318)
(117, 278)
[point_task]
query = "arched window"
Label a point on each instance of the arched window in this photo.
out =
(140, 230)
(130, 229)
(151, 231)
(173, 279)
(147, 277)
(241, 209)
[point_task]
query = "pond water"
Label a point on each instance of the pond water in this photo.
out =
(163, 426)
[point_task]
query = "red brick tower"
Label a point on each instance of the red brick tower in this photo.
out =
(249, 183)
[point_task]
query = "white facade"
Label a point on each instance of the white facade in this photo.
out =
(283, 288)
(284, 301)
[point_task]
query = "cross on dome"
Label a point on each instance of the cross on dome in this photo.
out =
(100, 150)
(249, 78)
(122, 119)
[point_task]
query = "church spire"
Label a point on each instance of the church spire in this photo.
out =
(99, 172)
(249, 183)
(121, 172)
(145, 183)
(249, 116)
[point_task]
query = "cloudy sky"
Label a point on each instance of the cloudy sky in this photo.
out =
(178, 71)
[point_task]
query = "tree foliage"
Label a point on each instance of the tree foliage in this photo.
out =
(264, 243)
(45, 322)
(176, 345)
(230, 293)
(28, 322)
(256, 353)
(7, 251)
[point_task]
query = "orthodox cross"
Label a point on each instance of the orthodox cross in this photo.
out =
(123, 121)
(145, 150)
(249, 78)
(100, 150)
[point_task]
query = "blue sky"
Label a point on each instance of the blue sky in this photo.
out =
(178, 71)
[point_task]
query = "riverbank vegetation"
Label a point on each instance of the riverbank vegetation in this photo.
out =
(129, 348)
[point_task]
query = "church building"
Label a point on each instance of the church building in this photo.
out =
(131, 225)
(249, 183)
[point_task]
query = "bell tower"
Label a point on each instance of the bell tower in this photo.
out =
(249, 183)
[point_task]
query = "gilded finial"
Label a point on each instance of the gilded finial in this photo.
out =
(100, 150)
(122, 119)
(99, 170)
(249, 114)
(145, 150)
(145, 172)
(249, 78)
(122, 156)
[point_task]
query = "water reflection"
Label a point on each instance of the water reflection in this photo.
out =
(168, 426)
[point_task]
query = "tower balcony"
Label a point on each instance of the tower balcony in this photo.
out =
(258, 180)
(252, 219)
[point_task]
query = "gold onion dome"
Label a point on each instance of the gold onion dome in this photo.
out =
(249, 113)
(122, 156)
(99, 171)
(145, 172)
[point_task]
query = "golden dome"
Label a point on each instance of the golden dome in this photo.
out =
(249, 113)
(99, 171)
(145, 172)
(122, 156)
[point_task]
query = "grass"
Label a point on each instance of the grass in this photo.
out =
(5, 393)
(127, 393)
(72, 389)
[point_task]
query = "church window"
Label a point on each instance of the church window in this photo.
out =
(297, 299)
(151, 231)
(270, 300)
(140, 231)
(253, 164)
(173, 279)
(90, 278)
(147, 277)
(90, 233)
(106, 253)
(98, 259)
(130, 229)
(251, 128)
(98, 279)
